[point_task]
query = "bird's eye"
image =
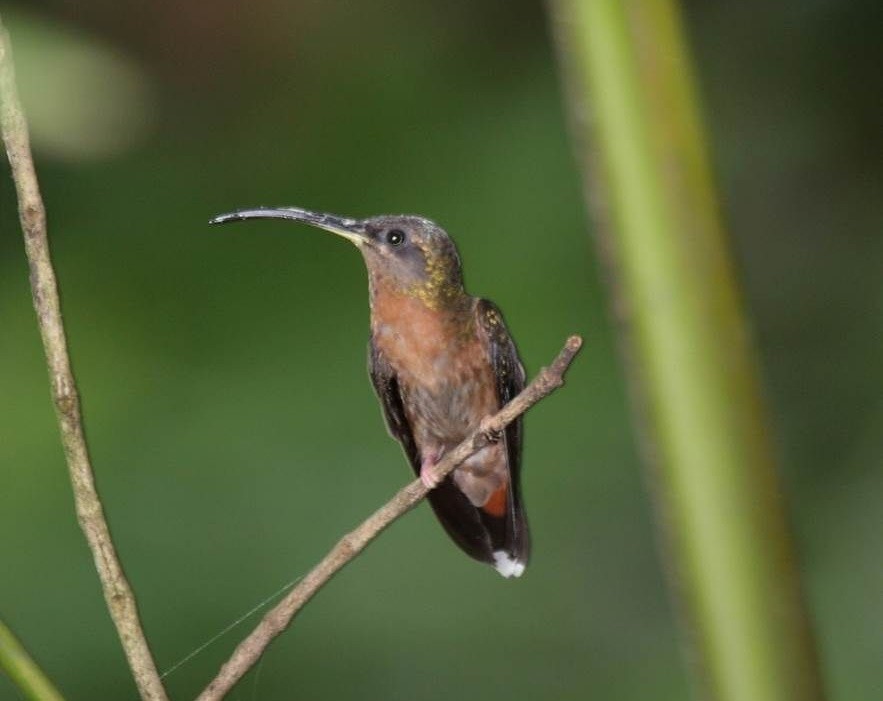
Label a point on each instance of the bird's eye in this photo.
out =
(395, 237)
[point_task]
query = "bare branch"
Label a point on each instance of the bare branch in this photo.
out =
(117, 592)
(276, 621)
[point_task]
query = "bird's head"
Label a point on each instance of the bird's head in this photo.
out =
(404, 253)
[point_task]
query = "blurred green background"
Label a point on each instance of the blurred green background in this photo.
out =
(233, 429)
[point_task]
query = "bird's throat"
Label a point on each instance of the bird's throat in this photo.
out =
(412, 333)
(436, 293)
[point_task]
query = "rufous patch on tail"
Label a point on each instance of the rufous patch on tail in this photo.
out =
(497, 503)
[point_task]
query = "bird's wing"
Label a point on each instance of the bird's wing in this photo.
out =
(512, 536)
(507, 369)
(386, 385)
(453, 509)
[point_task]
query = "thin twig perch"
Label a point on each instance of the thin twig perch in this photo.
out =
(277, 620)
(117, 592)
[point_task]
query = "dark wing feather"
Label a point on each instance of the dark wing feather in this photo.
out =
(459, 517)
(386, 386)
(512, 534)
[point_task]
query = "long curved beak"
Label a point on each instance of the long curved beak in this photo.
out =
(351, 229)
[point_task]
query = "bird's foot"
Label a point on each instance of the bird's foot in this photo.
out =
(492, 434)
(430, 480)
(427, 476)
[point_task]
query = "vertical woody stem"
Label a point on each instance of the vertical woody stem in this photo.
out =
(117, 592)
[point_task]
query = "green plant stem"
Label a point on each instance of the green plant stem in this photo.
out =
(22, 670)
(689, 355)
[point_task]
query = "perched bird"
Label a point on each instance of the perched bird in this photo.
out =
(440, 361)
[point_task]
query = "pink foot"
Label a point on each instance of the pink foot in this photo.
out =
(429, 479)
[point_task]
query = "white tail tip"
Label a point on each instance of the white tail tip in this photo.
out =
(506, 566)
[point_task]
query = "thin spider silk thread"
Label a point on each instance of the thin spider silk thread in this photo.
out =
(230, 627)
(257, 677)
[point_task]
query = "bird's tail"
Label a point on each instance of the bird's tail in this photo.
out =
(496, 534)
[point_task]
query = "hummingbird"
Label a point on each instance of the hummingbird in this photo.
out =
(440, 361)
